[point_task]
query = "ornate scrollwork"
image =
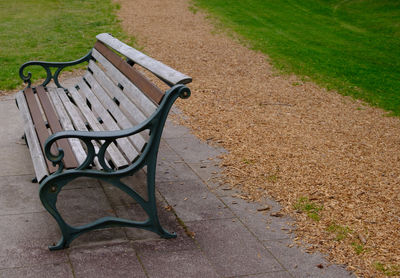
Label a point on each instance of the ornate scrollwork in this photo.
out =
(47, 67)
(101, 155)
(56, 159)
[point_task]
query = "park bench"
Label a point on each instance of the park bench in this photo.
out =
(107, 127)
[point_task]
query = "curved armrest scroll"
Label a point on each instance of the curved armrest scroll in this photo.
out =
(87, 136)
(47, 67)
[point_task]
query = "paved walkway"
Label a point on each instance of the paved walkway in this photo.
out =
(231, 238)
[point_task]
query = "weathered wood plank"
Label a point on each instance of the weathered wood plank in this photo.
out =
(38, 159)
(66, 123)
(130, 90)
(110, 105)
(123, 143)
(164, 72)
(116, 157)
(39, 124)
(55, 126)
(136, 77)
(131, 110)
(77, 120)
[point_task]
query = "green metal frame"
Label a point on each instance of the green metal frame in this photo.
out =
(51, 186)
(47, 66)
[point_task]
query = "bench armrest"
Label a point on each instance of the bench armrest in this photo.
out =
(87, 136)
(155, 123)
(47, 66)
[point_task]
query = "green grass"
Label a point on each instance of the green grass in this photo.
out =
(303, 204)
(358, 247)
(389, 270)
(50, 30)
(350, 46)
(341, 232)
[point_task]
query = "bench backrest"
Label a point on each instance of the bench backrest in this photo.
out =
(116, 87)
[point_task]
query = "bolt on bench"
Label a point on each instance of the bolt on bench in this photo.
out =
(108, 126)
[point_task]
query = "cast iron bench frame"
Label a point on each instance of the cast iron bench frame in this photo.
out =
(96, 145)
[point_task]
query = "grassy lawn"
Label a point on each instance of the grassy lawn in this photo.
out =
(350, 46)
(50, 30)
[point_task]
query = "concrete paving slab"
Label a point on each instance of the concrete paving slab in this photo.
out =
(135, 212)
(192, 201)
(302, 264)
(13, 151)
(224, 190)
(16, 160)
(173, 130)
(62, 270)
(25, 227)
(264, 226)
(207, 171)
(81, 206)
(165, 152)
(275, 274)
(170, 170)
(19, 195)
(97, 237)
(11, 123)
(192, 150)
(232, 249)
(82, 183)
(108, 260)
(29, 252)
(117, 197)
(181, 243)
(177, 264)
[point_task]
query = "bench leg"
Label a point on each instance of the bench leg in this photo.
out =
(51, 187)
(48, 195)
(152, 204)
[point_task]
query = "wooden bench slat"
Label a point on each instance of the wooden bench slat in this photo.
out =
(130, 109)
(77, 120)
(131, 73)
(66, 123)
(39, 124)
(115, 155)
(39, 161)
(123, 143)
(55, 126)
(134, 94)
(110, 105)
(164, 72)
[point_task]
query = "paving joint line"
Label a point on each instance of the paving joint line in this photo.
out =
(139, 259)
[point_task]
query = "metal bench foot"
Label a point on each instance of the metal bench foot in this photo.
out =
(164, 233)
(62, 244)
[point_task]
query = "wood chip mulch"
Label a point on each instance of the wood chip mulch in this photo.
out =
(286, 138)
